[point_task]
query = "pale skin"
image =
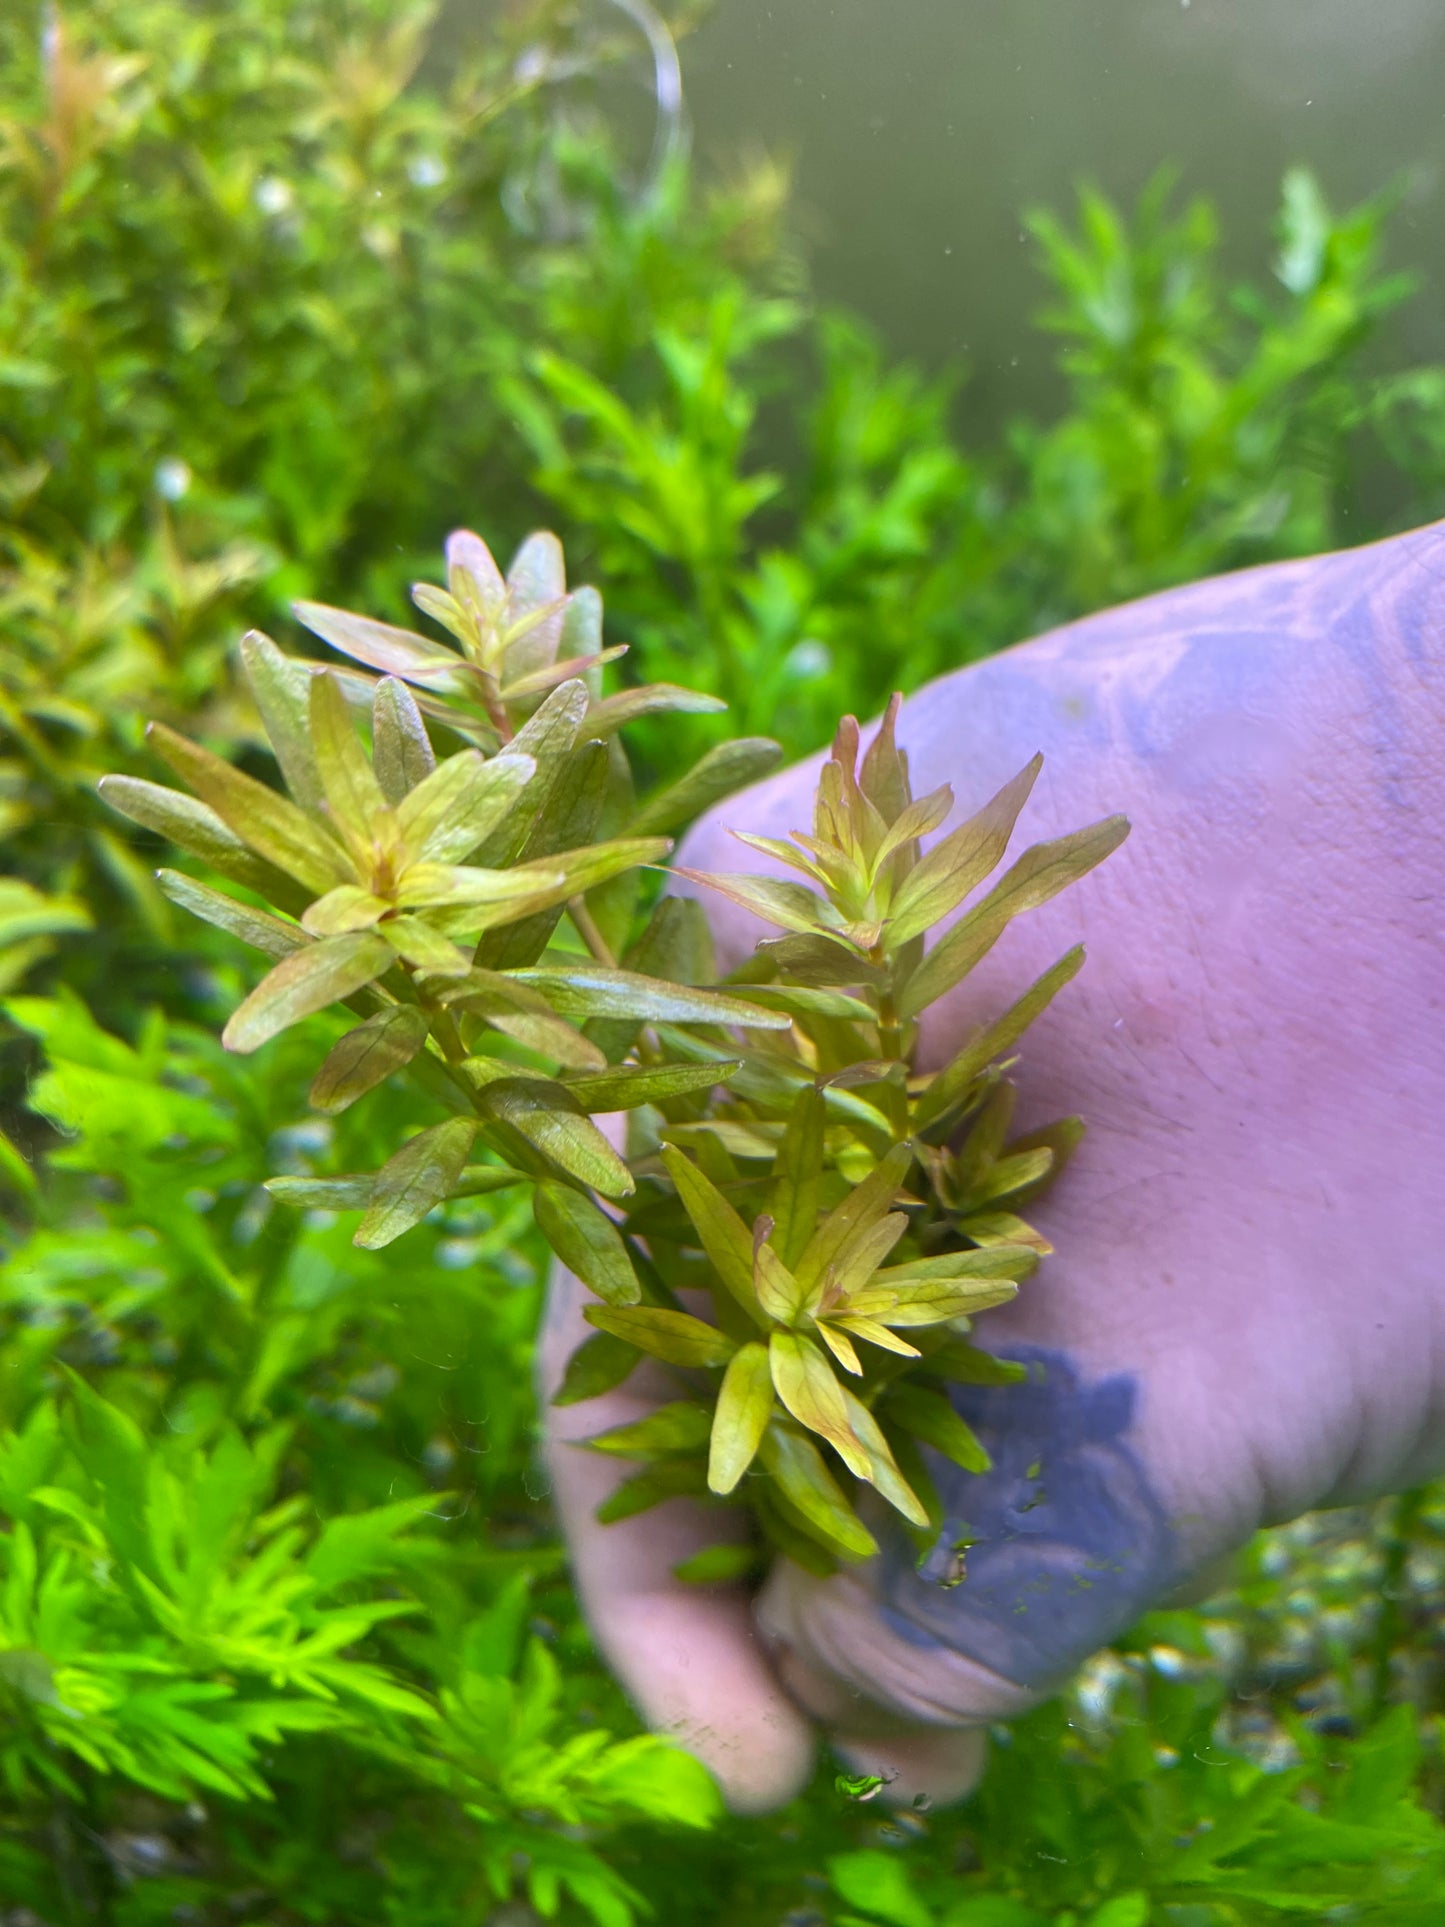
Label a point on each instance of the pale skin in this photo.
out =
(1245, 1317)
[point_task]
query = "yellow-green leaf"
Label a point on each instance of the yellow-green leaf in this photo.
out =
(792, 906)
(864, 1205)
(367, 1056)
(682, 1426)
(425, 948)
(307, 981)
(929, 1416)
(1040, 873)
(594, 990)
(194, 826)
(349, 1193)
(599, 1363)
(256, 927)
(268, 823)
(463, 800)
(354, 800)
(675, 1336)
(725, 768)
(547, 1116)
(587, 1242)
(281, 687)
(808, 1386)
(348, 907)
(797, 1175)
(395, 652)
(744, 1407)
(413, 1182)
(953, 1082)
(722, 1233)
(883, 1469)
(654, 699)
(810, 1489)
(776, 1287)
(958, 864)
(627, 1086)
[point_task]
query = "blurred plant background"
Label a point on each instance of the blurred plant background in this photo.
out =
(287, 290)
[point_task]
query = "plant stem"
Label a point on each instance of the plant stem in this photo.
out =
(586, 926)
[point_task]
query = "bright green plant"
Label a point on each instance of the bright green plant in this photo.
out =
(788, 1153)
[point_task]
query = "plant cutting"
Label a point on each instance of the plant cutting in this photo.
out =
(463, 862)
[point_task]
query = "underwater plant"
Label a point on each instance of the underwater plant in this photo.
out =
(485, 915)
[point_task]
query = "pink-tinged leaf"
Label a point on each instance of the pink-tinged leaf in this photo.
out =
(919, 819)
(367, 1056)
(281, 687)
(424, 948)
(547, 1115)
(401, 750)
(584, 989)
(255, 927)
(194, 826)
(395, 652)
(744, 1406)
(587, 1242)
(538, 680)
(604, 719)
(346, 908)
(463, 800)
(305, 982)
(957, 865)
(792, 906)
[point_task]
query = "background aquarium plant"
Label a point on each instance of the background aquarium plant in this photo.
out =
(288, 288)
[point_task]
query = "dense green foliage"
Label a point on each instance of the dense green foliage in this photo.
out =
(285, 1635)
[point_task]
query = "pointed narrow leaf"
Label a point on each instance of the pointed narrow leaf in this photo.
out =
(346, 908)
(194, 826)
(555, 1038)
(865, 1204)
(682, 1426)
(669, 1479)
(413, 1182)
(401, 751)
(463, 800)
(793, 906)
(991, 1228)
(918, 819)
(862, 1253)
(395, 652)
(808, 1486)
(546, 1115)
(517, 688)
(824, 961)
(939, 1300)
(654, 699)
(306, 981)
(875, 1334)
(961, 861)
(724, 1237)
(268, 823)
(587, 1242)
(451, 885)
(675, 1336)
(744, 1406)
(999, 1261)
(626, 1087)
(255, 927)
(553, 727)
(841, 1346)
(725, 768)
(367, 1056)
(424, 947)
(353, 796)
(798, 1175)
(953, 1081)
(883, 1469)
(594, 990)
(800, 1001)
(599, 1364)
(776, 1287)
(281, 687)
(1014, 1173)
(929, 1416)
(350, 1193)
(883, 772)
(967, 1365)
(809, 1388)
(1040, 873)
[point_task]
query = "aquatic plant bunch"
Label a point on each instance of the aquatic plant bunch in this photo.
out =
(462, 861)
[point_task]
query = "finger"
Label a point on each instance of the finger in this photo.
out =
(690, 1657)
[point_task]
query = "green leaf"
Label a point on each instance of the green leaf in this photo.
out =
(353, 796)
(801, 1001)
(744, 1406)
(546, 1115)
(599, 1364)
(551, 731)
(680, 1427)
(350, 1193)
(810, 1489)
(878, 1883)
(997, 1261)
(587, 1242)
(725, 768)
(395, 652)
(936, 1302)
(808, 1386)
(424, 947)
(654, 699)
(307, 981)
(717, 1565)
(819, 960)
(675, 1336)
(193, 826)
(367, 1056)
(624, 1088)
(725, 1238)
(954, 1081)
(865, 1204)
(797, 1177)
(112, 1453)
(570, 810)
(266, 822)
(594, 990)
(348, 907)
(965, 1364)
(961, 861)
(550, 1037)
(776, 1287)
(401, 751)
(418, 1178)
(883, 1472)
(1040, 873)
(793, 906)
(670, 1479)
(463, 800)
(445, 886)
(929, 1416)
(281, 688)
(255, 927)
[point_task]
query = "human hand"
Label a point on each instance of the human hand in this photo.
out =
(1245, 1316)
